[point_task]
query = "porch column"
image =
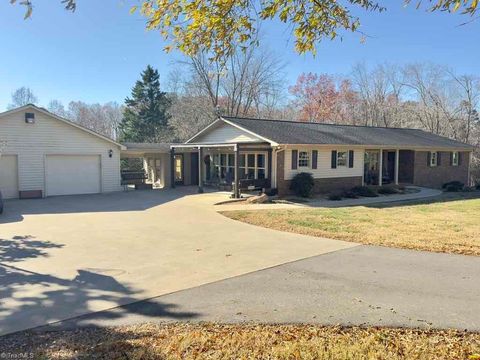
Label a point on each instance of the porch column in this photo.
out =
(270, 166)
(380, 168)
(397, 165)
(236, 185)
(200, 169)
(172, 167)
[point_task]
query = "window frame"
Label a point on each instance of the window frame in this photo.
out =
(433, 159)
(346, 158)
(230, 165)
(455, 158)
(308, 159)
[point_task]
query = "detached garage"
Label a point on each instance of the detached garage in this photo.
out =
(46, 155)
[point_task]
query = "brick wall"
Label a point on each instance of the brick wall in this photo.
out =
(323, 185)
(436, 176)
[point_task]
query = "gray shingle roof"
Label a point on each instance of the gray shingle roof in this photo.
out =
(294, 132)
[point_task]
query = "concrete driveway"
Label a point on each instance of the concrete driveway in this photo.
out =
(364, 285)
(67, 256)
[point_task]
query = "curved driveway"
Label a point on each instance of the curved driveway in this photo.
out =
(67, 256)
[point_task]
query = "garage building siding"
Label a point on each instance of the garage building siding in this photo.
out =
(33, 142)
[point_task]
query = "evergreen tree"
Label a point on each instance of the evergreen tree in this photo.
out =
(145, 118)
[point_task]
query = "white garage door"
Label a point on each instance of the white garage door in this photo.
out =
(72, 174)
(9, 176)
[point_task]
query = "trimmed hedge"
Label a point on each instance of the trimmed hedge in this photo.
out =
(387, 190)
(364, 191)
(335, 197)
(453, 186)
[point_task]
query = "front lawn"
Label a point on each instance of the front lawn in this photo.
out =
(451, 226)
(214, 341)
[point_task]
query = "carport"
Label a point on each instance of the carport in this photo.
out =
(156, 164)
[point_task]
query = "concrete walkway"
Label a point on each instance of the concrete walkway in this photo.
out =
(67, 256)
(364, 285)
(423, 193)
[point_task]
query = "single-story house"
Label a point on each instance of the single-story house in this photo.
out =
(259, 153)
(45, 155)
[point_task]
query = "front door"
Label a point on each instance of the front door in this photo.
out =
(178, 168)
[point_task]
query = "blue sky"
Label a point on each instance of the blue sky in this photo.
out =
(97, 53)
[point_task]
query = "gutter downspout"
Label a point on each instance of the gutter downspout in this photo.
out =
(276, 150)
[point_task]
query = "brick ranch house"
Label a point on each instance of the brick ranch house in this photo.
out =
(244, 153)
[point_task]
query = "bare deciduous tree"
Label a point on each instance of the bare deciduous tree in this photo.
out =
(250, 83)
(21, 97)
(103, 119)
(56, 107)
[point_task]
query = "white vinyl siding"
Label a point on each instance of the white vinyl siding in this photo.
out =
(33, 142)
(324, 164)
(9, 176)
(225, 133)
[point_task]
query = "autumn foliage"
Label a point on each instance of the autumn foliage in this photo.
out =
(320, 98)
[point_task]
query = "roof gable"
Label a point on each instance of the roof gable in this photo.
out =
(221, 131)
(61, 119)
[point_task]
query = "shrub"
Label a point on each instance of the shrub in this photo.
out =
(302, 184)
(335, 197)
(453, 186)
(477, 186)
(271, 192)
(364, 191)
(350, 195)
(387, 190)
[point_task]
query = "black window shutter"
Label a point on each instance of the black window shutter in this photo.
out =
(439, 158)
(429, 158)
(460, 158)
(294, 159)
(314, 159)
(451, 158)
(334, 159)
(351, 159)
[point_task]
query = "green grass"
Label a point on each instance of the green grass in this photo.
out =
(451, 225)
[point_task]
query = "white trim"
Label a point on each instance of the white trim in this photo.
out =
(309, 153)
(66, 121)
(380, 168)
(272, 143)
(346, 158)
(204, 145)
(454, 157)
(397, 165)
(203, 130)
(432, 164)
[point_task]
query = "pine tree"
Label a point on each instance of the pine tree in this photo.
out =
(145, 118)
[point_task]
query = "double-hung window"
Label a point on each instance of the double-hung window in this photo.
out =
(303, 159)
(455, 158)
(342, 158)
(433, 158)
